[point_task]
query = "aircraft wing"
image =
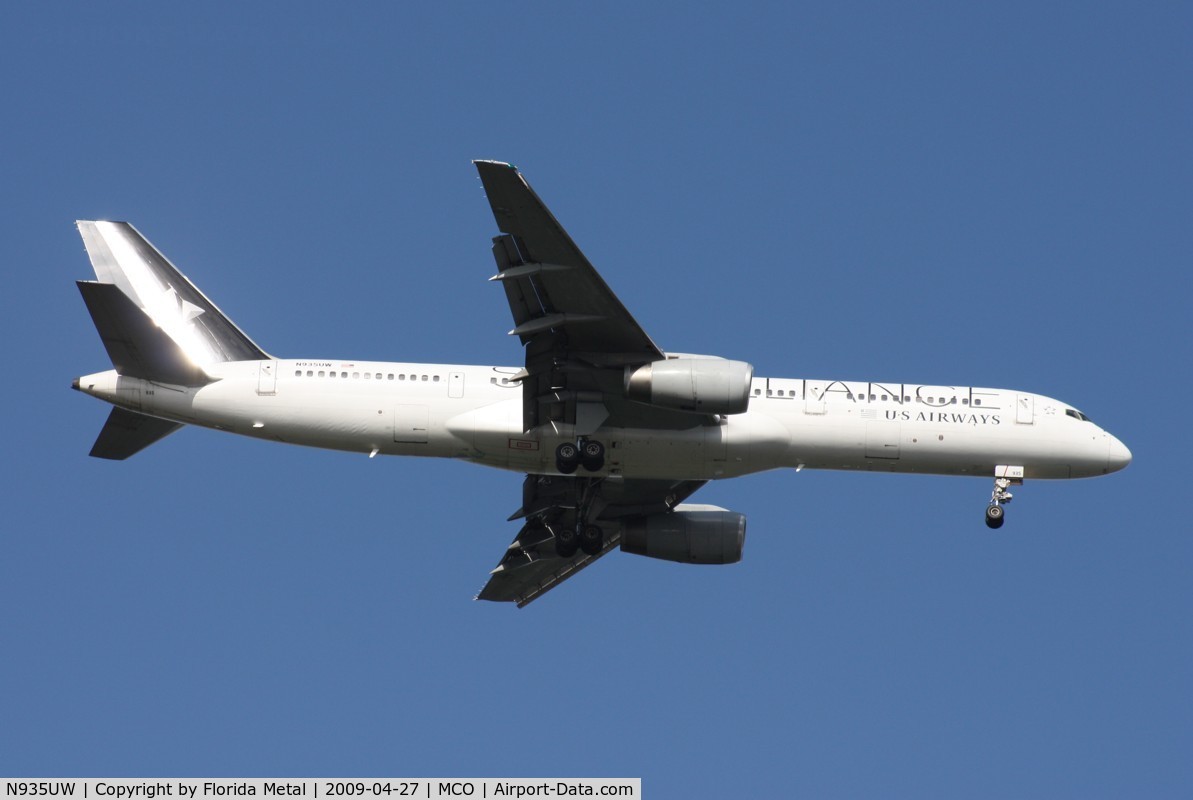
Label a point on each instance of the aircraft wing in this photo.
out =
(531, 567)
(578, 336)
(579, 340)
(548, 281)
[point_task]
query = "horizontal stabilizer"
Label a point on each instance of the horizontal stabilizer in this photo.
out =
(127, 433)
(138, 348)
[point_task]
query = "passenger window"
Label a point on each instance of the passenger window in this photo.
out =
(436, 379)
(424, 378)
(977, 401)
(320, 373)
(780, 393)
(308, 373)
(390, 376)
(343, 374)
(402, 377)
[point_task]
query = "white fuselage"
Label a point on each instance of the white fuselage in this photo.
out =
(474, 413)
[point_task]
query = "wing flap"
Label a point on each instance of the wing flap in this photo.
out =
(528, 577)
(530, 566)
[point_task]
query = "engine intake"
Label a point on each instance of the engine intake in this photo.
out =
(707, 385)
(691, 534)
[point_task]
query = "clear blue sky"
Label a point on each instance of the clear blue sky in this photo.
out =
(969, 194)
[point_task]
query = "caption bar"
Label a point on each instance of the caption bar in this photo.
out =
(338, 788)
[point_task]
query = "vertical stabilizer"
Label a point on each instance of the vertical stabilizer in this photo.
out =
(121, 256)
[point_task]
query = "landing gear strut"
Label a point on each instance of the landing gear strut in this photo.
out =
(1004, 477)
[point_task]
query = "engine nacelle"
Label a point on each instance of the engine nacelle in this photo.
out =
(691, 534)
(706, 385)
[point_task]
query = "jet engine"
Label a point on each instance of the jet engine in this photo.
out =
(691, 534)
(706, 385)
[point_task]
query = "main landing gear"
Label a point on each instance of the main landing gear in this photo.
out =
(578, 504)
(588, 539)
(587, 453)
(1004, 477)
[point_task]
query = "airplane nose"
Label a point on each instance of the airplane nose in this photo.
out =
(1117, 456)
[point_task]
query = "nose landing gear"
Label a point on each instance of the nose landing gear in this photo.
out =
(994, 516)
(1004, 477)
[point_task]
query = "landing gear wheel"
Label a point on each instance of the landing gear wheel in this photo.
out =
(592, 539)
(994, 517)
(566, 542)
(567, 458)
(593, 455)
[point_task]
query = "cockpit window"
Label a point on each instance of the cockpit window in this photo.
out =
(1075, 414)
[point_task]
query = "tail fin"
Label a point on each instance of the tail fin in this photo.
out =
(156, 326)
(123, 258)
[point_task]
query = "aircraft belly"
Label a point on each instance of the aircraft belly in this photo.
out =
(845, 441)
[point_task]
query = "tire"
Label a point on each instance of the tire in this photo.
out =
(566, 542)
(995, 517)
(592, 539)
(567, 458)
(593, 455)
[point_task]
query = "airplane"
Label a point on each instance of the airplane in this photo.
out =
(613, 433)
